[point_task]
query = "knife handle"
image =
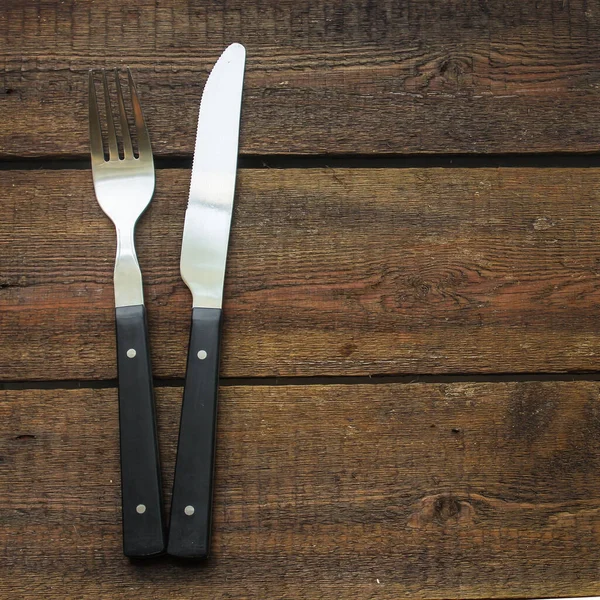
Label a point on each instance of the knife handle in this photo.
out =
(191, 506)
(143, 527)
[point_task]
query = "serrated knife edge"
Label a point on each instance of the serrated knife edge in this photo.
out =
(210, 203)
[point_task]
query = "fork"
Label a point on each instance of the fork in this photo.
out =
(124, 188)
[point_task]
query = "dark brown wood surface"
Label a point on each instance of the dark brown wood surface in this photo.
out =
(331, 272)
(351, 275)
(357, 76)
(370, 491)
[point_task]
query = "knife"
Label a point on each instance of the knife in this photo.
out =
(203, 259)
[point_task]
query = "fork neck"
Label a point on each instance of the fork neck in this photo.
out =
(128, 276)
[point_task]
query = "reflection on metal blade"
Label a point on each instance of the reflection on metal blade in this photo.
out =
(210, 205)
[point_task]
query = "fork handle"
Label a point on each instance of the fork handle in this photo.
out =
(191, 507)
(143, 528)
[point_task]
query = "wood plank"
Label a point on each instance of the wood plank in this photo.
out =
(331, 272)
(387, 77)
(368, 491)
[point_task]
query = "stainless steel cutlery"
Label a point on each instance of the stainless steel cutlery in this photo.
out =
(124, 184)
(203, 258)
(124, 187)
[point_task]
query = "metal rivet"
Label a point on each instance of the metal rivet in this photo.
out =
(131, 353)
(202, 354)
(140, 509)
(189, 510)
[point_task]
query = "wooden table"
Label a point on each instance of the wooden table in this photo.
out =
(410, 403)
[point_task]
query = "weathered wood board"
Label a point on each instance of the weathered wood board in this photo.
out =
(386, 77)
(330, 272)
(362, 491)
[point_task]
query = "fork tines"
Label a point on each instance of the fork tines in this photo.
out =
(96, 143)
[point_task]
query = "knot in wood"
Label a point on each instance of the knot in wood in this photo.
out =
(442, 510)
(454, 67)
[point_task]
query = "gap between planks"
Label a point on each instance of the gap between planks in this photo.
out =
(312, 381)
(344, 161)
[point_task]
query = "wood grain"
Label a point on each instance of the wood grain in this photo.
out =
(362, 491)
(390, 77)
(331, 272)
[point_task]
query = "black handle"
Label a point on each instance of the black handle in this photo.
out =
(191, 507)
(143, 528)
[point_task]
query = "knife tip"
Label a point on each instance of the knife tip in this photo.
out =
(237, 49)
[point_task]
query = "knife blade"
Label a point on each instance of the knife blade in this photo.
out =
(203, 261)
